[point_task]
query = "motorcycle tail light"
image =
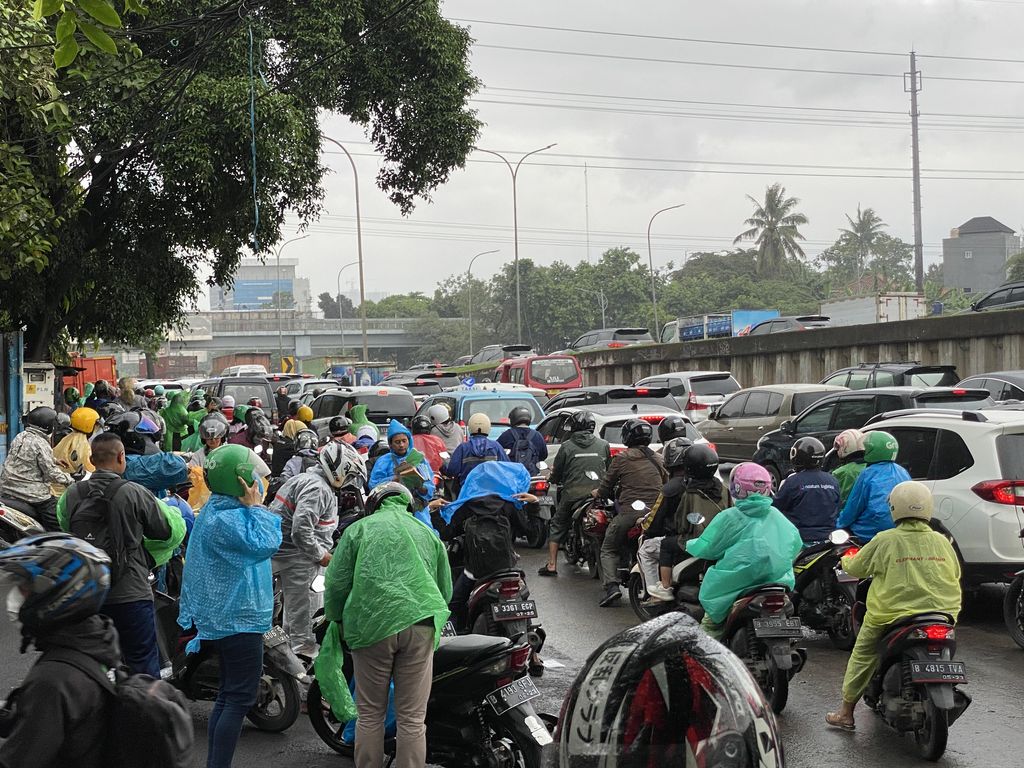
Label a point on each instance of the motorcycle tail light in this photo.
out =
(773, 603)
(519, 658)
(541, 486)
(509, 588)
(851, 552)
(615, 450)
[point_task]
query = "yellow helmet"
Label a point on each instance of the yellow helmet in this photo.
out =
(911, 499)
(304, 414)
(84, 420)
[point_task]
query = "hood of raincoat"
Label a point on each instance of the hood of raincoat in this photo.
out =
(292, 428)
(358, 417)
(584, 439)
(491, 478)
(175, 415)
(755, 505)
(398, 428)
(156, 472)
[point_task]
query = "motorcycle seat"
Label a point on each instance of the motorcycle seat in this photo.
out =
(764, 588)
(813, 549)
(919, 618)
(18, 506)
(465, 650)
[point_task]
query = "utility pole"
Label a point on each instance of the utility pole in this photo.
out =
(912, 83)
(586, 208)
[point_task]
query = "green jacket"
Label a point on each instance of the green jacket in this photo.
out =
(583, 452)
(847, 475)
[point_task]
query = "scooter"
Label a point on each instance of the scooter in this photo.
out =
(16, 522)
(500, 606)
(824, 592)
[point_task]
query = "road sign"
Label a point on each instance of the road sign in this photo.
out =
(288, 364)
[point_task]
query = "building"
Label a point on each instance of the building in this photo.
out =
(257, 284)
(975, 253)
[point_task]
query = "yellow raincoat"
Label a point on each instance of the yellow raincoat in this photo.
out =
(72, 454)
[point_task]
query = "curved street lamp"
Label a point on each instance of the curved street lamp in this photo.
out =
(650, 263)
(469, 288)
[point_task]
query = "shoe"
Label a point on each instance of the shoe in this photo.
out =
(612, 597)
(545, 571)
(658, 592)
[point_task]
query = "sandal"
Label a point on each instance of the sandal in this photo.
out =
(834, 720)
(545, 571)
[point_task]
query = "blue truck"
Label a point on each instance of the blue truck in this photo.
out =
(714, 326)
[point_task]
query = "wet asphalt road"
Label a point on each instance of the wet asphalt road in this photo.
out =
(990, 733)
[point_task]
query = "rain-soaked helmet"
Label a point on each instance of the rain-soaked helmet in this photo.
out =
(385, 491)
(748, 478)
(671, 427)
(673, 452)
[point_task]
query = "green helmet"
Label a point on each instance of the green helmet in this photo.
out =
(880, 446)
(72, 396)
(224, 465)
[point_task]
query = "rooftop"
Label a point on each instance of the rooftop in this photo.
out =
(983, 224)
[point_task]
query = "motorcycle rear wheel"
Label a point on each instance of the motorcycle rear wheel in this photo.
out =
(931, 739)
(277, 709)
(1013, 610)
(536, 532)
(325, 725)
(841, 632)
(637, 593)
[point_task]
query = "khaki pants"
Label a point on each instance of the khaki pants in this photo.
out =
(863, 661)
(647, 556)
(408, 657)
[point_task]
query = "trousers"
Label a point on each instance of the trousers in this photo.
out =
(614, 539)
(241, 665)
(135, 623)
(648, 556)
(863, 661)
(296, 576)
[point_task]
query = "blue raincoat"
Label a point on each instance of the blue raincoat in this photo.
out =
(384, 468)
(492, 478)
(866, 512)
(156, 472)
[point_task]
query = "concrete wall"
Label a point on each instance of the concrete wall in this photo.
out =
(986, 269)
(974, 343)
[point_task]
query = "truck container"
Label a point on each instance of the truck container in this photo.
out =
(222, 362)
(715, 326)
(90, 369)
(878, 308)
(176, 366)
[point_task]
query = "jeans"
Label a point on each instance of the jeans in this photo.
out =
(461, 591)
(296, 576)
(135, 623)
(614, 541)
(241, 666)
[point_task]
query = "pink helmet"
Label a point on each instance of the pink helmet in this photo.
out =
(850, 441)
(748, 478)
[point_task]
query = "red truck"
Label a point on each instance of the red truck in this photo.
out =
(91, 369)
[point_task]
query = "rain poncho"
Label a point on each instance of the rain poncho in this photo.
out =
(385, 466)
(175, 417)
(157, 472)
(492, 478)
(227, 586)
(847, 475)
(866, 511)
(358, 418)
(754, 544)
(86, 392)
(389, 572)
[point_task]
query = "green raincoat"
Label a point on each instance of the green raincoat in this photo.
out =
(175, 417)
(753, 544)
(89, 387)
(358, 418)
(847, 475)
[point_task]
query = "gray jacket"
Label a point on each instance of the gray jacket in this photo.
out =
(30, 468)
(451, 433)
(308, 507)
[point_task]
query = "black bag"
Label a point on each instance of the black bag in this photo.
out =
(523, 452)
(95, 520)
(151, 725)
(487, 544)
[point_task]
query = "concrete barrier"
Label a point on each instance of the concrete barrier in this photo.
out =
(974, 343)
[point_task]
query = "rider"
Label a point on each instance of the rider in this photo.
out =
(581, 455)
(476, 450)
(809, 498)
(406, 465)
(634, 475)
(31, 469)
(752, 543)
(305, 454)
(429, 445)
(866, 512)
(73, 451)
(523, 443)
(338, 428)
(71, 397)
(915, 570)
(671, 428)
(444, 426)
(849, 446)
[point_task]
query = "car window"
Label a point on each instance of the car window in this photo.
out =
(713, 385)
(997, 298)
(380, 408)
(1010, 450)
(838, 379)
(1016, 294)
(952, 457)
(917, 446)
(326, 406)
(803, 399)
(244, 392)
(884, 379)
(1013, 393)
(853, 413)
(858, 380)
(757, 330)
(632, 336)
(559, 370)
(294, 387)
(817, 419)
(497, 409)
(941, 377)
(551, 429)
(885, 403)
(652, 383)
(733, 407)
(774, 403)
(757, 404)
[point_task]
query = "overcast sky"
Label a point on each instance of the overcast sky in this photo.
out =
(797, 134)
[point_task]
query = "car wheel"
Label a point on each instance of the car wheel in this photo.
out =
(776, 475)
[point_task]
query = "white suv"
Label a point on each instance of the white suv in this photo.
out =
(973, 462)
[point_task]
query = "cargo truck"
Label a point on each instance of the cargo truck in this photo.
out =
(878, 308)
(714, 326)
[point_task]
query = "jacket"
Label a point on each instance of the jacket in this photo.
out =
(152, 531)
(510, 437)
(810, 500)
(753, 544)
(847, 475)
(227, 586)
(635, 474)
(308, 507)
(64, 703)
(299, 463)
(430, 446)
(915, 570)
(451, 433)
(705, 497)
(582, 453)
(385, 467)
(866, 512)
(30, 468)
(469, 454)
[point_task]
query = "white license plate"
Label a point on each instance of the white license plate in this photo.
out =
(781, 627)
(520, 609)
(275, 637)
(512, 695)
(938, 672)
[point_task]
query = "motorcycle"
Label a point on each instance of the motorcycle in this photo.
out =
(536, 533)
(197, 675)
(1013, 606)
(479, 712)
(17, 522)
(586, 530)
(915, 688)
(824, 592)
(686, 578)
(500, 606)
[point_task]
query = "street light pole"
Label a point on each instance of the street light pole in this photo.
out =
(515, 225)
(280, 333)
(469, 288)
(650, 263)
(359, 243)
(341, 317)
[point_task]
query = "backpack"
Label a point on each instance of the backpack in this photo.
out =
(487, 544)
(524, 452)
(95, 520)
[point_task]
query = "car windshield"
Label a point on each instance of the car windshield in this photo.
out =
(243, 393)
(714, 385)
(1010, 450)
(556, 371)
(938, 377)
(498, 409)
(420, 387)
(612, 431)
(633, 336)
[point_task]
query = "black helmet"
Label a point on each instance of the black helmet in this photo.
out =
(520, 416)
(258, 425)
(421, 425)
(109, 410)
(293, 408)
(807, 453)
(674, 450)
(339, 425)
(636, 432)
(580, 421)
(701, 461)
(386, 491)
(43, 417)
(379, 448)
(137, 431)
(671, 427)
(102, 390)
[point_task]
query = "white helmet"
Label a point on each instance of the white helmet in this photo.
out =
(343, 465)
(479, 424)
(850, 441)
(911, 499)
(439, 414)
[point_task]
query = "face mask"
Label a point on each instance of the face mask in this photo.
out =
(15, 599)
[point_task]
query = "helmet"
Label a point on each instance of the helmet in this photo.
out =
(807, 453)
(636, 432)
(748, 478)
(62, 425)
(255, 402)
(72, 395)
(306, 440)
(421, 425)
(213, 425)
(293, 408)
(66, 579)
(701, 461)
(674, 450)
(671, 427)
(339, 425)
(378, 449)
(228, 401)
(880, 446)
(84, 420)
(666, 693)
(439, 414)
(910, 499)
(595, 521)
(580, 421)
(304, 414)
(385, 491)
(479, 424)
(108, 410)
(520, 416)
(43, 417)
(849, 442)
(342, 465)
(137, 431)
(158, 390)
(257, 424)
(101, 390)
(225, 465)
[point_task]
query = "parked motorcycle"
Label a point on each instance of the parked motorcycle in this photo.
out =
(686, 578)
(1013, 607)
(16, 522)
(915, 688)
(825, 593)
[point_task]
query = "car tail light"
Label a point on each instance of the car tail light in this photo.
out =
(932, 632)
(851, 552)
(774, 603)
(651, 419)
(615, 450)
(1001, 491)
(519, 658)
(960, 392)
(693, 405)
(541, 486)
(509, 588)
(615, 345)
(713, 447)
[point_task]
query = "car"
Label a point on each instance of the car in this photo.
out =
(166, 384)
(973, 462)
(585, 397)
(243, 389)
(444, 379)
(696, 392)
(893, 374)
(494, 353)
(421, 388)
(1006, 296)
(244, 370)
(552, 373)
(383, 404)
(461, 360)
(833, 414)
(1001, 385)
(610, 338)
(296, 388)
(736, 425)
(496, 405)
(500, 386)
(789, 323)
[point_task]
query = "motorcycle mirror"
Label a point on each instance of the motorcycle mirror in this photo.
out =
(444, 455)
(695, 518)
(542, 465)
(318, 584)
(839, 537)
(592, 475)
(258, 449)
(638, 506)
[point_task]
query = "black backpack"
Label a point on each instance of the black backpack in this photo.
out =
(524, 452)
(487, 544)
(95, 520)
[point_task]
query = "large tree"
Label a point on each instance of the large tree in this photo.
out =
(774, 228)
(862, 235)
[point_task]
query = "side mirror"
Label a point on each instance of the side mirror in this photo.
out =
(542, 465)
(695, 518)
(789, 426)
(638, 506)
(444, 455)
(713, 413)
(974, 306)
(839, 537)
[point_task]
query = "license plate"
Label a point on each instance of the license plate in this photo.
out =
(546, 501)
(938, 672)
(781, 627)
(275, 637)
(449, 630)
(522, 609)
(512, 695)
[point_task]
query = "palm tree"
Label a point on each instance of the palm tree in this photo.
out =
(774, 228)
(862, 234)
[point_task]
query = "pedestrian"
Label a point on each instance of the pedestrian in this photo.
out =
(523, 443)
(31, 469)
(476, 450)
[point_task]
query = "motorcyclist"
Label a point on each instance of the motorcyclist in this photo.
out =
(281, 401)
(128, 397)
(30, 470)
(523, 444)
(70, 397)
(751, 542)
(428, 444)
(809, 498)
(406, 465)
(338, 429)
(445, 426)
(284, 445)
(866, 512)
(636, 474)
(306, 444)
(478, 449)
(849, 447)
(305, 415)
(102, 394)
(176, 421)
(257, 431)
(581, 454)
(670, 428)
(146, 464)
(73, 452)
(914, 570)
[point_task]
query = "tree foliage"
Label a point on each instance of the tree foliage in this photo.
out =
(329, 306)
(1015, 267)
(775, 229)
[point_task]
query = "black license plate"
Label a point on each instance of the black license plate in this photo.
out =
(938, 672)
(520, 609)
(449, 630)
(781, 627)
(275, 637)
(512, 695)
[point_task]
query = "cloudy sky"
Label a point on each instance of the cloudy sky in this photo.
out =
(705, 120)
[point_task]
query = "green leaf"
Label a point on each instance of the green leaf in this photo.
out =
(37, 10)
(65, 53)
(98, 37)
(102, 11)
(135, 6)
(47, 7)
(66, 26)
